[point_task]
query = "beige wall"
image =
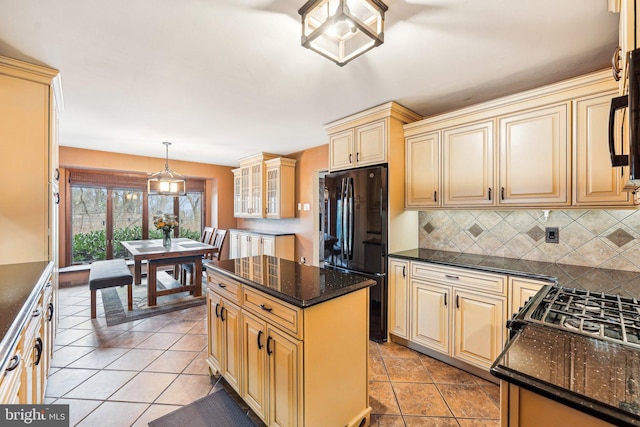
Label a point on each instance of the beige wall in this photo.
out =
(219, 188)
(305, 224)
(594, 238)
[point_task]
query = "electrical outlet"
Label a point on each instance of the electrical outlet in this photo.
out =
(551, 235)
(303, 260)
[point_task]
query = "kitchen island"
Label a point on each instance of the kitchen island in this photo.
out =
(291, 339)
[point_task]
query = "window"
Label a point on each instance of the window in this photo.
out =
(107, 208)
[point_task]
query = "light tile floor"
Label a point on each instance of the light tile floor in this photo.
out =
(130, 374)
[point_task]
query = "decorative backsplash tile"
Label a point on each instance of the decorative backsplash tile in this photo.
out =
(594, 238)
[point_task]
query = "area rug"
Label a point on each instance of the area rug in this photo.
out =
(115, 301)
(216, 409)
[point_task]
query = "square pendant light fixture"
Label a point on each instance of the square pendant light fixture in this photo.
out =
(167, 182)
(342, 30)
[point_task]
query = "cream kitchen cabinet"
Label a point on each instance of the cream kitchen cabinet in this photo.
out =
(244, 243)
(542, 148)
(458, 313)
(533, 157)
(468, 165)
(399, 297)
(280, 192)
(629, 33)
(360, 146)
(597, 183)
(264, 187)
(520, 290)
(223, 319)
(422, 187)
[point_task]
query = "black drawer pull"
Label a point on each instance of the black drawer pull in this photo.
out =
(260, 345)
(217, 314)
(265, 308)
(222, 285)
(50, 310)
(38, 347)
(449, 276)
(269, 351)
(37, 312)
(15, 361)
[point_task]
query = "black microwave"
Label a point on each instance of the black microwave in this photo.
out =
(632, 103)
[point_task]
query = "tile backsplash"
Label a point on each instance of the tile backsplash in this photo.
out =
(594, 238)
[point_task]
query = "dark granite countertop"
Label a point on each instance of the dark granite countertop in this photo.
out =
(626, 283)
(298, 284)
(264, 233)
(594, 376)
(20, 285)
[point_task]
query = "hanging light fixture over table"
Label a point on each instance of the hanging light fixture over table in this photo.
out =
(342, 30)
(167, 182)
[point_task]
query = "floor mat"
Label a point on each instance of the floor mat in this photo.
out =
(115, 301)
(216, 409)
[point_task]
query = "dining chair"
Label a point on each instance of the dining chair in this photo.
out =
(217, 241)
(205, 237)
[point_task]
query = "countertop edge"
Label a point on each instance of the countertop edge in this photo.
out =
(21, 318)
(286, 298)
(578, 402)
(264, 233)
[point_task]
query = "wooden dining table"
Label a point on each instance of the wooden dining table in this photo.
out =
(181, 251)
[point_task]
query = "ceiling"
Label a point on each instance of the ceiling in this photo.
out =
(223, 79)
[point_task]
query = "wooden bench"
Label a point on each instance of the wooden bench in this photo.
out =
(107, 274)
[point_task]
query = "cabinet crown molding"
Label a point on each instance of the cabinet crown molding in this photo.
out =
(390, 109)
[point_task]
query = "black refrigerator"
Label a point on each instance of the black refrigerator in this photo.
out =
(354, 233)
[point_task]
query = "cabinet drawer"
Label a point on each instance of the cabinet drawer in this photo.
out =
(273, 311)
(224, 286)
(459, 277)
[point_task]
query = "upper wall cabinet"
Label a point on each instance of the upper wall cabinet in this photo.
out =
(518, 151)
(365, 138)
(264, 186)
(423, 160)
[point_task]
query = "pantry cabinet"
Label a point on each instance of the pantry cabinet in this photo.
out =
(546, 147)
(264, 187)
(244, 243)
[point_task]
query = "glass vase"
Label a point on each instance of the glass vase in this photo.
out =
(166, 238)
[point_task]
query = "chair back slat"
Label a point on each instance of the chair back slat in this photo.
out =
(207, 234)
(217, 241)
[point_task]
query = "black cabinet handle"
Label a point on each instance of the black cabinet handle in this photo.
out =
(36, 313)
(269, 351)
(222, 310)
(56, 174)
(265, 308)
(350, 158)
(435, 196)
(222, 285)
(49, 284)
(489, 193)
(15, 361)
(457, 301)
(217, 314)
(50, 310)
(259, 343)
(57, 198)
(449, 276)
(404, 271)
(38, 348)
(445, 300)
(358, 156)
(501, 193)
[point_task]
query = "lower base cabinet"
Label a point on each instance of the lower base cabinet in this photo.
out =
(293, 366)
(523, 408)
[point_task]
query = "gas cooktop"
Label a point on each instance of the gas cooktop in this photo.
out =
(609, 317)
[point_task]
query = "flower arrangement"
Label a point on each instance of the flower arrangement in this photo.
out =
(165, 222)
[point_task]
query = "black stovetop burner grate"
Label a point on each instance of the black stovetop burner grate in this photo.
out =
(611, 317)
